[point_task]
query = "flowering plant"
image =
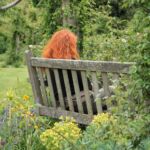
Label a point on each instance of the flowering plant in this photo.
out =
(64, 131)
(103, 118)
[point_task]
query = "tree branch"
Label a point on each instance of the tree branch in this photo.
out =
(10, 5)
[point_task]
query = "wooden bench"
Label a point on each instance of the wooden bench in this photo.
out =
(95, 70)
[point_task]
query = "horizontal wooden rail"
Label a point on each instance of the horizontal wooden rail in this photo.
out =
(102, 66)
(56, 113)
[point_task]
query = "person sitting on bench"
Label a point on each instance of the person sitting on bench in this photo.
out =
(63, 45)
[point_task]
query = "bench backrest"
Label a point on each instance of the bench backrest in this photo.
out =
(44, 95)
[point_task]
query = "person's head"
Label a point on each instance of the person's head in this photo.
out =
(62, 45)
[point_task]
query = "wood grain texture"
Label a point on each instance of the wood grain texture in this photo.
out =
(59, 88)
(56, 113)
(42, 86)
(68, 90)
(50, 85)
(105, 83)
(102, 66)
(77, 91)
(86, 91)
(33, 78)
(96, 88)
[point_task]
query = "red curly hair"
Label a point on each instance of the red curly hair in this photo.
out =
(62, 45)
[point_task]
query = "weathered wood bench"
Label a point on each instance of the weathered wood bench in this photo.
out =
(44, 95)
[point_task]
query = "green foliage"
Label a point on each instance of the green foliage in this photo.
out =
(144, 4)
(35, 2)
(142, 72)
(13, 59)
(52, 16)
(116, 30)
(120, 39)
(124, 133)
(19, 28)
(3, 44)
(145, 144)
(62, 132)
(77, 11)
(121, 129)
(20, 128)
(15, 78)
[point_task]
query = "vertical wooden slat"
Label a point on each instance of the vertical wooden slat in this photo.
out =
(77, 91)
(52, 95)
(45, 99)
(106, 86)
(105, 83)
(33, 78)
(86, 91)
(96, 89)
(58, 84)
(68, 90)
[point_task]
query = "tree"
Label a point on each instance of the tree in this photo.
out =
(12, 4)
(19, 27)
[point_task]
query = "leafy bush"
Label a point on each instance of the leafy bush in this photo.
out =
(3, 44)
(19, 126)
(110, 131)
(142, 72)
(145, 144)
(122, 128)
(63, 132)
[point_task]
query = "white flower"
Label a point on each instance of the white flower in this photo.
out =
(124, 40)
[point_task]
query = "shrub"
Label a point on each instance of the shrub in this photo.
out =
(19, 128)
(115, 132)
(61, 134)
(142, 72)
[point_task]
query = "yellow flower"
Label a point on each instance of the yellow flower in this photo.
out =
(26, 97)
(36, 127)
(67, 119)
(28, 113)
(103, 118)
(10, 94)
(65, 130)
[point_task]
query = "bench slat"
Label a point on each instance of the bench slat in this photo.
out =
(33, 78)
(86, 91)
(58, 84)
(77, 91)
(45, 99)
(52, 95)
(105, 83)
(57, 113)
(96, 88)
(68, 90)
(101, 66)
(106, 86)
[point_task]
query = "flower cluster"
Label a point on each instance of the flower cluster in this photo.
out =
(21, 106)
(103, 118)
(25, 97)
(64, 131)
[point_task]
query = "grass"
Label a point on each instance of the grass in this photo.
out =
(16, 79)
